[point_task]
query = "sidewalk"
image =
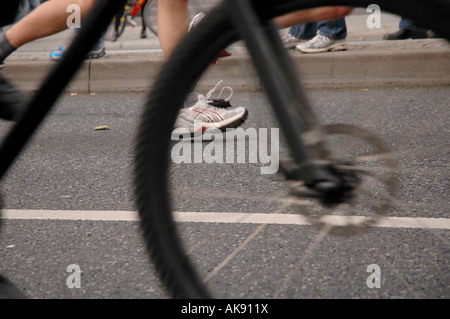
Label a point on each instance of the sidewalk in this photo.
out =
(132, 63)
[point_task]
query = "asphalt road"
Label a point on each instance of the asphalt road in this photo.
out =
(69, 166)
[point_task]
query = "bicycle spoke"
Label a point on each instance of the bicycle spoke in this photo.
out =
(375, 157)
(377, 172)
(241, 246)
(324, 231)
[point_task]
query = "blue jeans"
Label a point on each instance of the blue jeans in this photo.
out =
(100, 44)
(334, 29)
(34, 4)
(406, 24)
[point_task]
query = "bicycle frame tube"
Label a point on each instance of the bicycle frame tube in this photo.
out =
(136, 7)
(55, 82)
(283, 88)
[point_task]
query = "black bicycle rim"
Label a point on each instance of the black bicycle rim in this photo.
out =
(150, 9)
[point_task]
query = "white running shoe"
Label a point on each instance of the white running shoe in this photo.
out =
(289, 41)
(211, 113)
(321, 43)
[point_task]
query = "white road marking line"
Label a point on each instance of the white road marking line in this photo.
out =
(224, 217)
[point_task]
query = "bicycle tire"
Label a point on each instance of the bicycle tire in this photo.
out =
(122, 24)
(179, 74)
(150, 11)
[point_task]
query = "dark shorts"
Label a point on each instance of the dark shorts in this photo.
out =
(8, 12)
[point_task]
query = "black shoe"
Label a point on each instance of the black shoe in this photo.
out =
(406, 34)
(399, 35)
(418, 33)
(12, 101)
(433, 35)
(115, 36)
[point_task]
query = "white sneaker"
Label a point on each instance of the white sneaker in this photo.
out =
(321, 43)
(290, 41)
(211, 113)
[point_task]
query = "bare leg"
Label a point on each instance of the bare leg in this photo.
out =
(47, 19)
(173, 22)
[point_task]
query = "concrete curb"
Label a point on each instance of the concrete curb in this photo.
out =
(368, 64)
